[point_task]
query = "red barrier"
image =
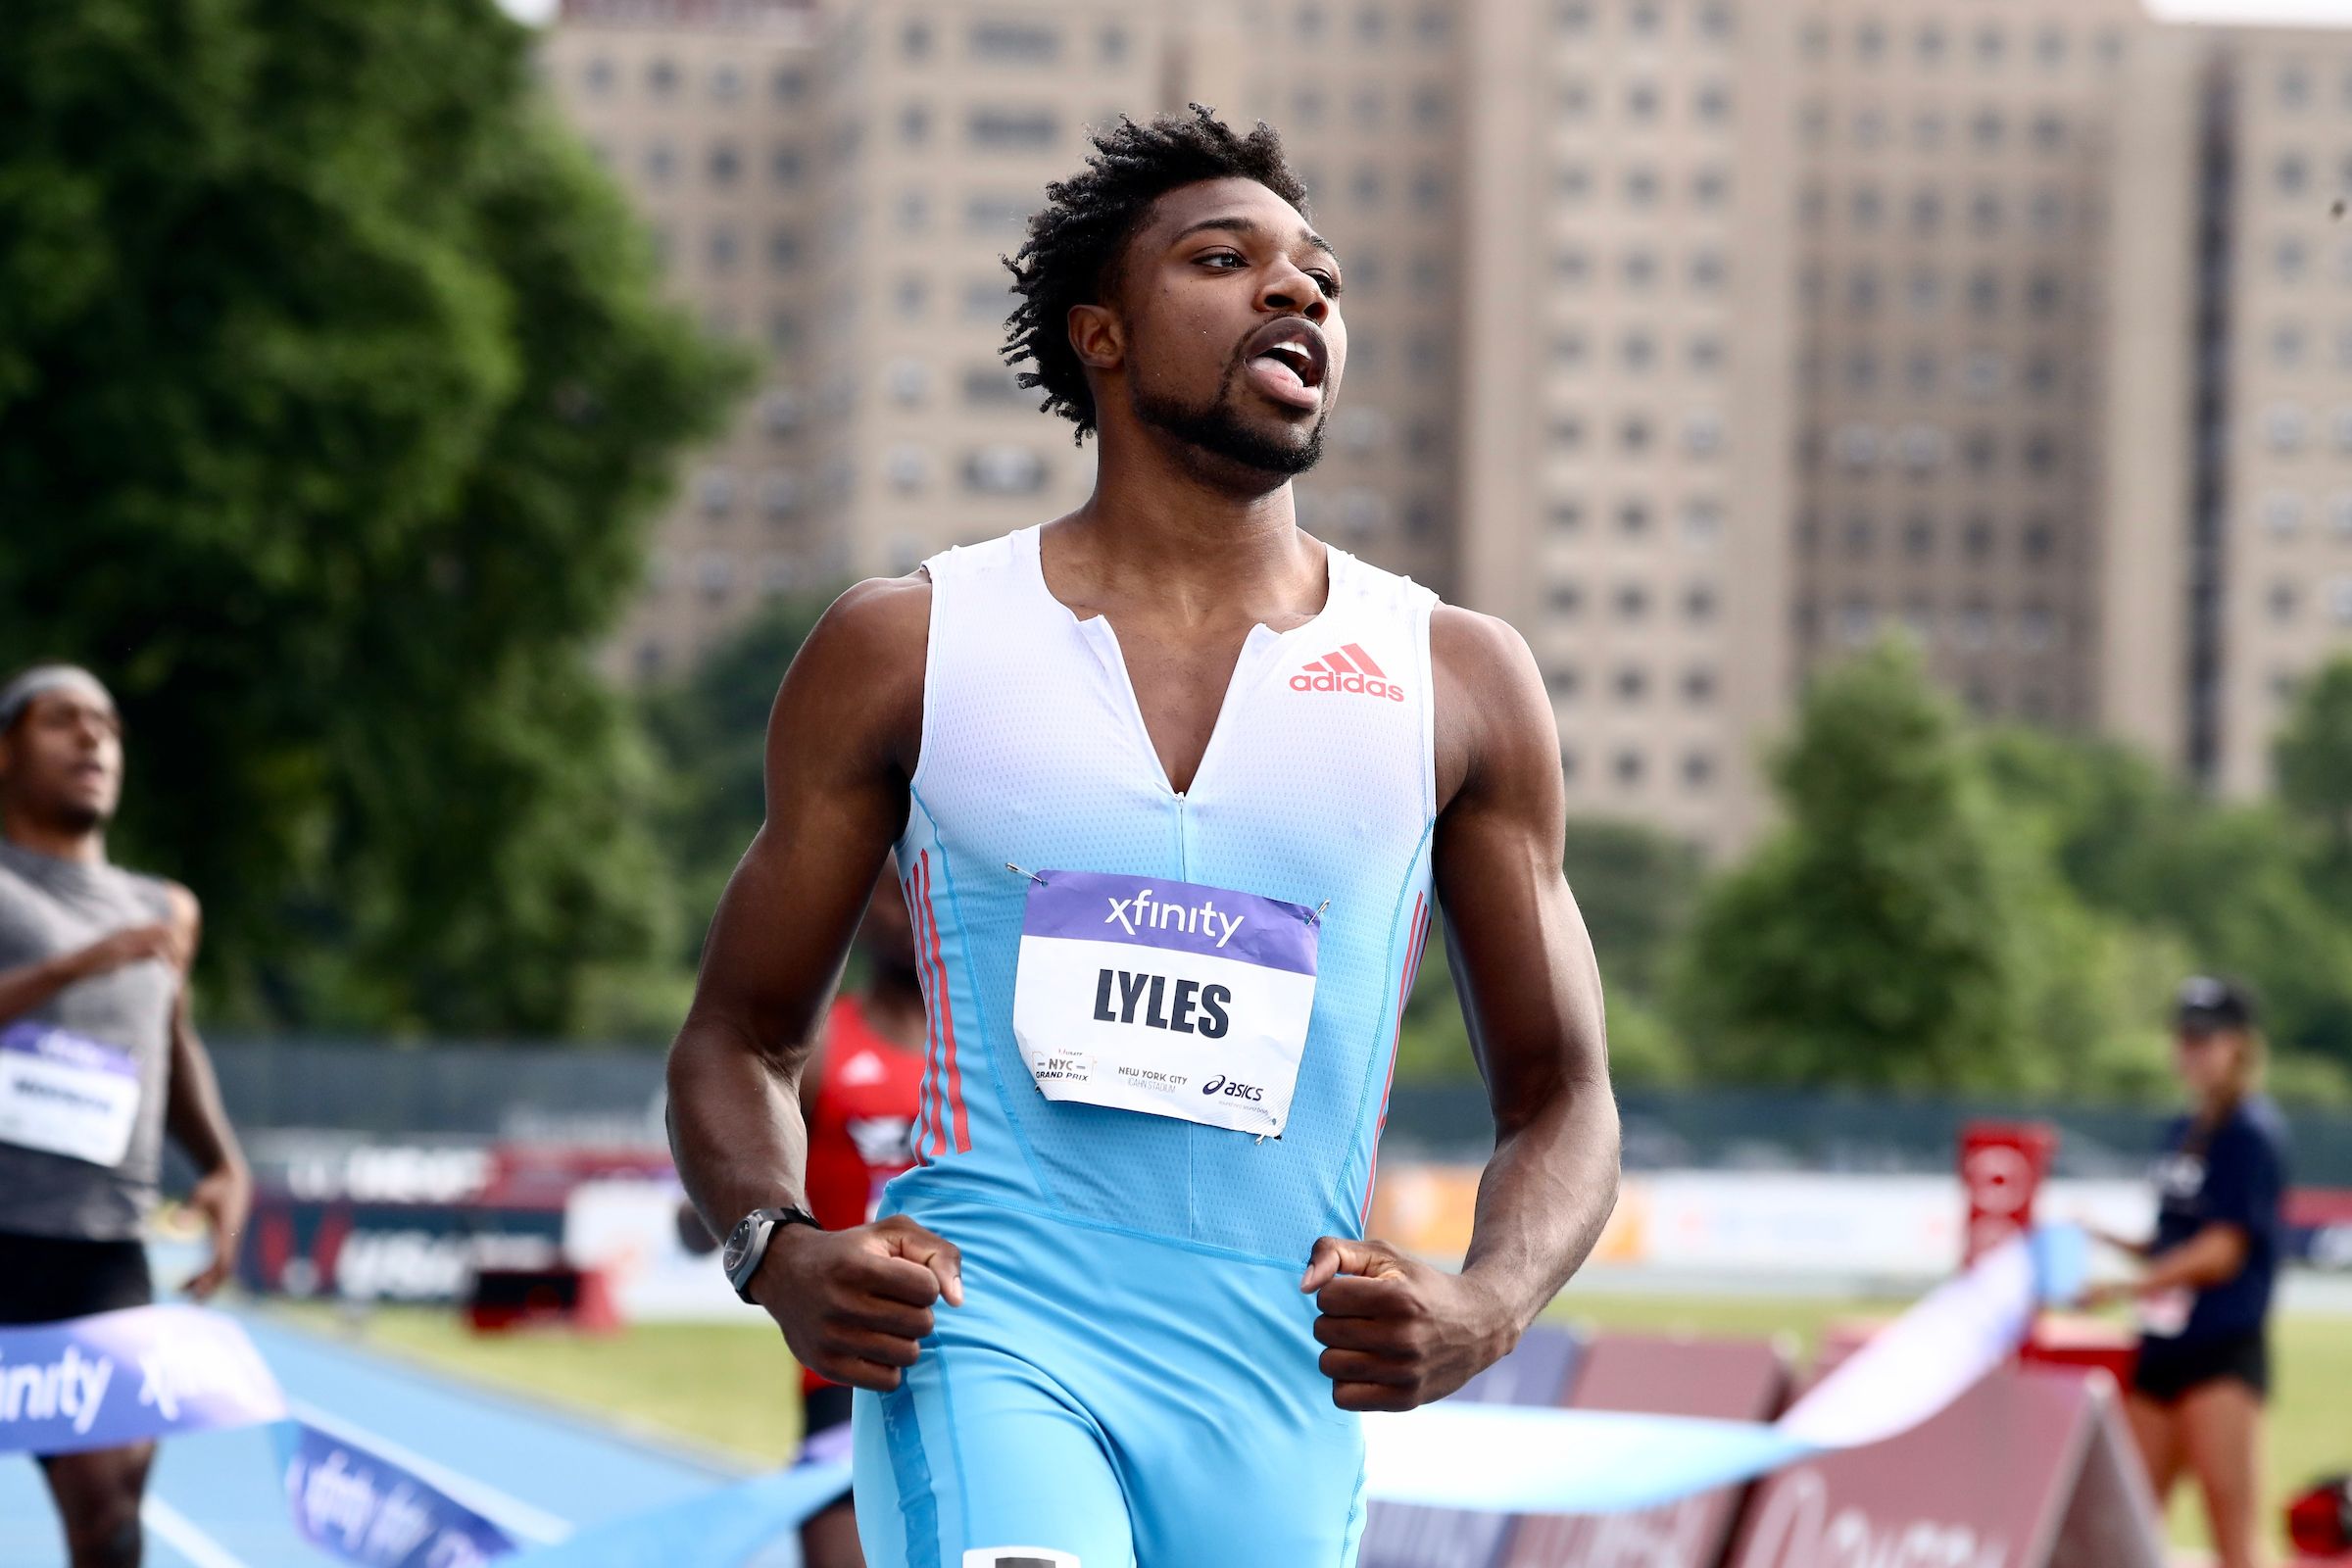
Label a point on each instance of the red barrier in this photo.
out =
(1741, 1379)
(2032, 1468)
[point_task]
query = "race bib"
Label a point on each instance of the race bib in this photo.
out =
(63, 1094)
(1167, 998)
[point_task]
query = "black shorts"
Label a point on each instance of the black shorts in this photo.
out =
(46, 1278)
(2167, 1370)
(824, 1407)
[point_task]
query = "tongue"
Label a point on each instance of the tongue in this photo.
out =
(1280, 369)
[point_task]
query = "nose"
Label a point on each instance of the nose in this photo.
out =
(1289, 291)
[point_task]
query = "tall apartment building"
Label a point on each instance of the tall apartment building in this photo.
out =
(2273, 372)
(708, 126)
(834, 186)
(1703, 339)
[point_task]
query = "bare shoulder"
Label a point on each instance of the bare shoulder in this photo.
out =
(860, 672)
(1494, 716)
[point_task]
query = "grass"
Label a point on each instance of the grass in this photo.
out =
(735, 1387)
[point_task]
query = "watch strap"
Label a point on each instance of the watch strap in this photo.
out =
(762, 1223)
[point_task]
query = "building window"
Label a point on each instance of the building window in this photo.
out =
(2049, 47)
(2283, 600)
(1929, 43)
(2283, 427)
(598, 76)
(662, 77)
(1702, 433)
(1714, 103)
(906, 468)
(1642, 101)
(1991, 44)
(1633, 602)
(1640, 268)
(1568, 432)
(1708, 270)
(784, 167)
(1567, 598)
(1919, 537)
(2340, 600)
(1698, 603)
(1698, 686)
(714, 492)
(713, 575)
(1629, 768)
(1633, 684)
(1869, 207)
(1563, 681)
(1706, 352)
(2340, 514)
(1013, 129)
(784, 250)
(2290, 259)
(1017, 43)
(727, 83)
(1004, 470)
(1568, 516)
(722, 249)
(1856, 621)
(780, 496)
(2344, 430)
(2049, 131)
(1985, 213)
(1633, 517)
(2292, 174)
(1576, 16)
(787, 84)
(1974, 627)
(725, 162)
(1699, 770)
(661, 163)
(1986, 130)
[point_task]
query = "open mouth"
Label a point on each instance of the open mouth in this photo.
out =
(1288, 361)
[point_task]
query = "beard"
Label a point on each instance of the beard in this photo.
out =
(1220, 431)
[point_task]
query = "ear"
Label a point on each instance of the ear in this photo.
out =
(1097, 337)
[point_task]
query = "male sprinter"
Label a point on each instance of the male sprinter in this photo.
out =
(1170, 784)
(101, 1061)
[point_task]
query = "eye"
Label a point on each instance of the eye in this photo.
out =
(1214, 256)
(1329, 285)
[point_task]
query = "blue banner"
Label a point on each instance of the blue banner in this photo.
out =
(365, 1509)
(118, 1378)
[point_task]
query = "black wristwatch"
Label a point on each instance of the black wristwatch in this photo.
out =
(747, 1243)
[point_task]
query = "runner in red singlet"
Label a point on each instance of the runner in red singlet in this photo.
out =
(860, 1099)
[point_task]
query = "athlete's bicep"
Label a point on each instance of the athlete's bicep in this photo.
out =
(839, 754)
(1522, 960)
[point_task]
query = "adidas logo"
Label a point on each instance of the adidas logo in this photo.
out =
(1350, 670)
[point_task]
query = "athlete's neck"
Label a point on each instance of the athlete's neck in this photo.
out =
(1155, 530)
(81, 846)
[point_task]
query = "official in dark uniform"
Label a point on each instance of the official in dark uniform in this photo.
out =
(98, 1065)
(2204, 1291)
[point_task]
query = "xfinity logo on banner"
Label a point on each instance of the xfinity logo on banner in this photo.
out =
(1202, 921)
(74, 1386)
(369, 1511)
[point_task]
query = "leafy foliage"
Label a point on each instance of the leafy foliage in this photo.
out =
(334, 398)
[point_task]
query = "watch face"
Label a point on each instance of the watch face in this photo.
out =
(739, 1241)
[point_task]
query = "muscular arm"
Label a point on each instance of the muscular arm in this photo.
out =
(199, 1123)
(1530, 988)
(1399, 1333)
(840, 743)
(841, 739)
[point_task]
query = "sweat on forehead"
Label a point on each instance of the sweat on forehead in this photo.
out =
(40, 680)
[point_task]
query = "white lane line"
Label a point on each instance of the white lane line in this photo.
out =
(509, 1512)
(184, 1537)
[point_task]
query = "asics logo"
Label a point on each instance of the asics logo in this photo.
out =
(1350, 669)
(1232, 1089)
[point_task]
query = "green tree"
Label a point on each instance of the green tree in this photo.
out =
(2312, 758)
(1637, 888)
(1869, 940)
(334, 398)
(710, 729)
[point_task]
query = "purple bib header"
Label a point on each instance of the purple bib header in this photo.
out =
(1173, 917)
(52, 1044)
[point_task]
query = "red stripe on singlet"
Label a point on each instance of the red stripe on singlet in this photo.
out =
(947, 1019)
(1404, 992)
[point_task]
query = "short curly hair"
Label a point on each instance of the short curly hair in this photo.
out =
(1075, 244)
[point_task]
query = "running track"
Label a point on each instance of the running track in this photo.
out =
(215, 1500)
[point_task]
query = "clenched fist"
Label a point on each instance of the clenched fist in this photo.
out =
(1399, 1333)
(854, 1304)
